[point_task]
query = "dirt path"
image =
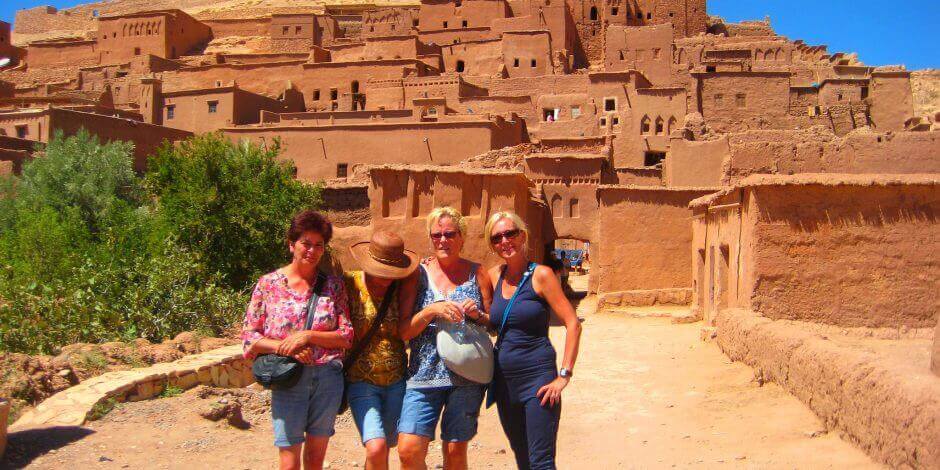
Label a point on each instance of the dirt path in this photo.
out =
(647, 394)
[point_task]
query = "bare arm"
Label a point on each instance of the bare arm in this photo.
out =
(486, 291)
(547, 286)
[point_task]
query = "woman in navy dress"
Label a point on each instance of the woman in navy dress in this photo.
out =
(527, 386)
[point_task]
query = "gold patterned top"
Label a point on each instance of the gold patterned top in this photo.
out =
(383, 362)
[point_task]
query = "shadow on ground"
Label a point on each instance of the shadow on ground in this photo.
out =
(25, 446)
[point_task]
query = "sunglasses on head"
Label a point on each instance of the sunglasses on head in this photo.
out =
(508, 235)
(449, 235)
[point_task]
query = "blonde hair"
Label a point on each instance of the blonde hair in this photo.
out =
(516, 220)
(447, 211)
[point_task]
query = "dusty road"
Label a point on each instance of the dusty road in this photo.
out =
(646, 394)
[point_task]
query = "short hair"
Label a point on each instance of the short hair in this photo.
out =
(497, 216)
(309, 221)
(447, 211)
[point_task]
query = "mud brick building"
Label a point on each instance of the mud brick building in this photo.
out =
(759, 179)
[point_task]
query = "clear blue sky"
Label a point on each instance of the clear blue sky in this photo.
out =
(899, 32)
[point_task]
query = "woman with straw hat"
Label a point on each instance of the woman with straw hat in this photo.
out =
(376, 365)
(448, 290)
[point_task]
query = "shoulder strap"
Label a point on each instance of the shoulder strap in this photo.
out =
(512, 300)
(314, 297)
(380, 315)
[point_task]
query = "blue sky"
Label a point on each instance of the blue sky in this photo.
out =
(905, 33)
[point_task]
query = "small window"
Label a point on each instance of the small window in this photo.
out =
(740, 100)
(515, 62)
(316, 95)
(615, 120)
(649, 15)
(864, 92)
(613, 11)
(839, 96)
(645, 125)
(603, 122)
(719, 99)
(393, 27)
(710, 68)
(445, 25)
(354, 87)
(575, 112)
(656, 52)
(672, 14)
(414, 22)
(120, 74)
(432, 112)
(22, 132)
(136, 51)
(610, 104)
(342, 169)
(213, 107)
(371, 29)
(464, 23)
(593, 13)
(460, 66)
(298, 29)
(533, 62)
(653, 158)
(285, 30)
(171, 111)
(639, 15)
(334, 94)
(660, 128)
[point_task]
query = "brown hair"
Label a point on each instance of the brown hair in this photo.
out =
(309, 221)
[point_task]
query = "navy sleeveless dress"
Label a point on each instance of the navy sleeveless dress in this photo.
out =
(525, 361)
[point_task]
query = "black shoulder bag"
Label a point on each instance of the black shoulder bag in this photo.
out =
(355, 352)
(281, 372)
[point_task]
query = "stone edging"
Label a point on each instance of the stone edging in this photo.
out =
(223, 367)
(645, 298)
(893, 416)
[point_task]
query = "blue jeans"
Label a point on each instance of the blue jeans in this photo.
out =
(376, 410)
(532, 429)
(309, 407)
(461, 409)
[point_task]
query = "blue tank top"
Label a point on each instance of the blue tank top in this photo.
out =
(525, 347)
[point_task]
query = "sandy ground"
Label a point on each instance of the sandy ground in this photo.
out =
(647, 394)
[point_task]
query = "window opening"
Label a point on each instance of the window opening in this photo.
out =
(171, 112)
(463, 23)
(610, 104)
(740, 100)
(213, 106)
(653, 158)
(334, 94)
(593, 13)
(613, 11)
(22, 132)
(460, 66)
(316, 95)
(342, 170)
(515, 62)
(533, 62)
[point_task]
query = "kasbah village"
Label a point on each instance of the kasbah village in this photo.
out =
(756, 216)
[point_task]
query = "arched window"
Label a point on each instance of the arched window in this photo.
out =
(778, 55)
(557, 210)
(758, 55)
(660, 128)
(645, 125)
(671, 126)
(460, 66)
(573, 209)
(593, 13)
(682, 58)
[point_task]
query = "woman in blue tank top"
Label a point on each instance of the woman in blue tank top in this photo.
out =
(526, 386)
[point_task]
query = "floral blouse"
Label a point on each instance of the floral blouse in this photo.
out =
(275, 311)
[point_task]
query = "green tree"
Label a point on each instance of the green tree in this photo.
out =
(228, 203)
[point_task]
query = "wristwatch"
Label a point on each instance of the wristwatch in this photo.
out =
(566, 373)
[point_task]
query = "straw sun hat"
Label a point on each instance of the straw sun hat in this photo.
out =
(385, 256)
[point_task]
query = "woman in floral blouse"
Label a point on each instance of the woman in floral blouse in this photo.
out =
(303, 415)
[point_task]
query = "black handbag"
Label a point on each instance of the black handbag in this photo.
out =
(354, 354)
(281, 372)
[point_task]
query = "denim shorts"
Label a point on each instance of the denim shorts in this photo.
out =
(376, 410)
(461, 409)
(308, 407)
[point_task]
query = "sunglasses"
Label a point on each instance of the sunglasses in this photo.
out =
(449, 235)
(508, 235)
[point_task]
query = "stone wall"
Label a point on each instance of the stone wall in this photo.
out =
(223, 367)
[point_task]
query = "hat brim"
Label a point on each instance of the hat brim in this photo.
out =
(360, 253)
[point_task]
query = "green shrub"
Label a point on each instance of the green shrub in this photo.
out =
(89, 253)
(229, 203)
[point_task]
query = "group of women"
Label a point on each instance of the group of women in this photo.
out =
(366, 318)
